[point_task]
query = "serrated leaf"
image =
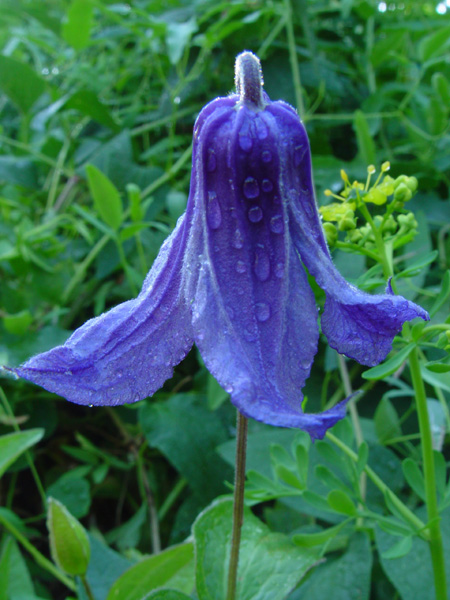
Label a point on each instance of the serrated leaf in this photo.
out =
(106, 197)
(12, 445)
(390, 365)
(69, 544)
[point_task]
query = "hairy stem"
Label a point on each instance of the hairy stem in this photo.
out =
(238, 503)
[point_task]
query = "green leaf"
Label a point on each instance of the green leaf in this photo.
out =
(345, 577)
(416, 266)
(69, 544)
(366, 144)
(363, 457)
(390, 365)
(173, 568)
(73, 491)
(15, 579)
(401, 548)
(18, 323)
(442, 88)
(308, 540)
(437, 366)
(106, 197)
(440, 380)
(167, 595)
(128, 534)
(444, 293)
(77, 29)
(414, 477)
(20, 171)
(387, 424)
(88, 104)
(177, 37)
(20, 83)
(12, 445)
(270, 565)
(341, 502)
(105, 567)
(434, 44)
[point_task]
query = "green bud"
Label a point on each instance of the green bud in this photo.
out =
(407, 222)
(354, 236)
(402, 193)
(331, 233)
(347, 222)
(390, 225)
(375, 196)
(399, 180)
(412, 184)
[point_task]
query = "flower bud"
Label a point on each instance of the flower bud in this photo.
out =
(402, 193)
(331, 233)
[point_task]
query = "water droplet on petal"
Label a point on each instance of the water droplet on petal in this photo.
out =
(266, 156)
(276, 224)
(229, 389)
(237, 241)
(262, 265)
(245, 138)
(214, 214)
(251, 188)
(255, 214)
(211, 163)
(261, 129)
(267, 185)
(90, 405)
(240, 266)
(262, 310)
(250, 336)
(279, 270)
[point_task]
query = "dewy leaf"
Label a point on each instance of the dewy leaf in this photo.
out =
(77, 29)
(20, 82)
(270, 565)
(390, 365)
(172, 568)
(106, 197)
(13, 444)
(69, 543)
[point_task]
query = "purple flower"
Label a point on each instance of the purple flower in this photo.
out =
(230, 278)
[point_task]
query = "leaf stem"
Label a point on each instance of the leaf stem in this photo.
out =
(293, 59)
(238, 503)
(435, 536)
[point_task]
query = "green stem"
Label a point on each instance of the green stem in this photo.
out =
(238, 503)
(435, 541)
(293, 59)
(406, 513)
(38, 557)
(87, 588)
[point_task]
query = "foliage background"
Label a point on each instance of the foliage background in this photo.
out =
(118, 86)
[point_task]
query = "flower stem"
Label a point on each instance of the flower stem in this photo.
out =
(435, 541)
(238, 503)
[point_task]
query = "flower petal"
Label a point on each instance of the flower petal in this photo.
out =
(359, 325)
(253, 313)
(126, 354)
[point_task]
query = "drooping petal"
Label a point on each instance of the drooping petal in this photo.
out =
(253, 313)
(359, 325)
(127, 353)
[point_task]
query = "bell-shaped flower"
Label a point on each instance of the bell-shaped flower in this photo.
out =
(231, 279)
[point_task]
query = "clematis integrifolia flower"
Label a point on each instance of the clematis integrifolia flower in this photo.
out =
(231, 278)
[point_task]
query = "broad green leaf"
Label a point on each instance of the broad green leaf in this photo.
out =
(414, 477)
(177, 36)
(270, 565)
(401, 548)
(366, 144)
(18, 323)
(12, 445)
(345, 577)
(418, 264)
(308, 540)
(20, 82)
(389, 43)
(167, 595)
(387, 424)
(440, 380)
(128, 534)
(434, 44)
(21, 171)
(442, 87)
(172, 568)
(390, 365)
(443, 294)
(88, 104)
(73, 491)
(412, 574)
(106, 197)
(341, 502)
(437, 367)
(105, 567)
(69, 544)
(77, 29)
(15, 579)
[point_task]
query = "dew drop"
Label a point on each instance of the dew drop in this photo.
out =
(262, 310)
(262, 265)
(255, 214)
(279, 270)
(266, 156)
(211, 162)
(245, 137)
(237, 241)
(251, 188)
(91, 405)
(276, 224)
(240, 266)
(261, 129)
(214, 213)
(267, 185)
(229, 389)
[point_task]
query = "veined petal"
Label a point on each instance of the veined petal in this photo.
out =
(253, 313)
(359, 325)
(126, 354)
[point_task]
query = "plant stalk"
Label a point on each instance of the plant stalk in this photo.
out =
(238, 503)
(435, 536)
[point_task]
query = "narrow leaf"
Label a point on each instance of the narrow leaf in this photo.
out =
(12, 445)
(106, 197)
(390, 365)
